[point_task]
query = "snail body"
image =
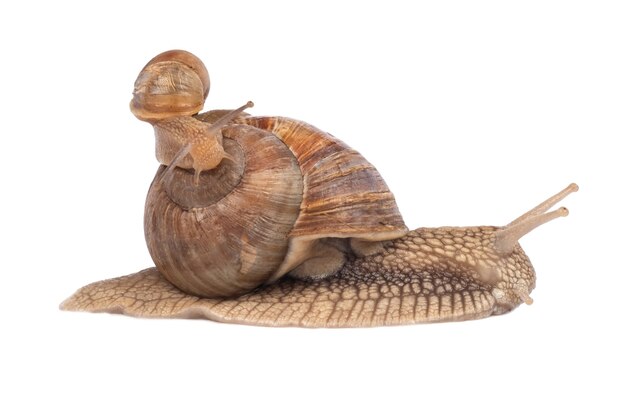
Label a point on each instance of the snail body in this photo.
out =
(271, 221)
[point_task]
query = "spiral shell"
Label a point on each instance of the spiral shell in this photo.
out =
(174, 83)
(238, 240)
(344, 195)
(254, 219)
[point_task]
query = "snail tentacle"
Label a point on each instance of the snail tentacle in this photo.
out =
(507, 237)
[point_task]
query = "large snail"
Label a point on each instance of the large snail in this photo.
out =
(270, 221)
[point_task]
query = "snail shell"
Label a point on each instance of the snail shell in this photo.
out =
(290, 193)
(173, 83)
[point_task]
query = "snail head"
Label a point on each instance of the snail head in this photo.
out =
(502, 263)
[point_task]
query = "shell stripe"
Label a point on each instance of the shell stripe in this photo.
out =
(341, 188)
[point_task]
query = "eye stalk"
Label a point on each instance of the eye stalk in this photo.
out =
(507, 237)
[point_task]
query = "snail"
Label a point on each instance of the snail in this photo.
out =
(271, 221)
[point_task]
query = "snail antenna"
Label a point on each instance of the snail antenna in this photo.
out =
(225, 119)
(523, 295)
(183, 152)
(507, 237)
(208, 145)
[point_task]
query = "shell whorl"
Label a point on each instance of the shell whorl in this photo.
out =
(190, 60)
(174, 83)
(344, 195)
(237, 241)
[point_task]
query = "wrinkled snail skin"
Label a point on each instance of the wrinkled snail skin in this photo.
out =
(271, 221)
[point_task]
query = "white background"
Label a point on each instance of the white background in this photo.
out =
(473, 112)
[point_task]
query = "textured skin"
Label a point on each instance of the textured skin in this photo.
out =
(430, 275)
(172, 134)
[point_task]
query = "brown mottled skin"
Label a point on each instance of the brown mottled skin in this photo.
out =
(430, 275)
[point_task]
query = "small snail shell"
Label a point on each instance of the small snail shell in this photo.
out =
(271, 221)
(173, 83)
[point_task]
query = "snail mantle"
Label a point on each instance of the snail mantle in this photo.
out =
(271, 221)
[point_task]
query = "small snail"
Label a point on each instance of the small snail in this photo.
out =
(271, 221)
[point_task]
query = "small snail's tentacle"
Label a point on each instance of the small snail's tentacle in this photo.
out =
(182, 153)
(213, 116)
(228, 117)
(507, 237)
